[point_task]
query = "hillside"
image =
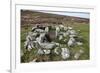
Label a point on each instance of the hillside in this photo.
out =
(33, 17)
(79, 25)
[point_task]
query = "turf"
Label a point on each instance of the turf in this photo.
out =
(29, 56)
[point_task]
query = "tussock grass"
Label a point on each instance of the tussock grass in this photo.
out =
(84, 32)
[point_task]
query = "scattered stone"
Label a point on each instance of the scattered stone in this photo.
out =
(40, 39)
(34, 60)
(46, 51)
(40, 52)
(65, 53)
(71, 42)
(56, 50)
(79, 43)
(78, 54)
(60, 37)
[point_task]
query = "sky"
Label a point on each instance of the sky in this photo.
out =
(76, 14)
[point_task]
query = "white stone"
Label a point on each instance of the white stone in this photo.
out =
(40, 51)
(79, 43)
(56, 50)
(28, 38)
(40, 38)
(77, 55)
(60, 37)
(57, 30)
(65, 53)
(71, 42)
(57, 44)
(30, 45)
(70, 28)
(39, 30)
(34, 60)
(34, 34)
(61, 26)
(46, 51)
(65, 34)
(33, 28)
(47, 45)
(47, 29)
(65, 28)
(72, 32)
(72, 36)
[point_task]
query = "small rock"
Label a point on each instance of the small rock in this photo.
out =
(56, 50)
(77, 55)
(40, 51)
(79, 43)
(65, 53)
(46, 51)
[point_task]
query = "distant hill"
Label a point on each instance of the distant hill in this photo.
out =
(33, 17)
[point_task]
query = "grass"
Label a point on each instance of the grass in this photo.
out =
(29, 56)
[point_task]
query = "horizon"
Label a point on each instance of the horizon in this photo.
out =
(75, 14)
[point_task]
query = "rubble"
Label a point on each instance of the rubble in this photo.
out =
(39, 38)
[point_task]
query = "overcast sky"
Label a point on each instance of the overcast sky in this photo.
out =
(76, 14)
